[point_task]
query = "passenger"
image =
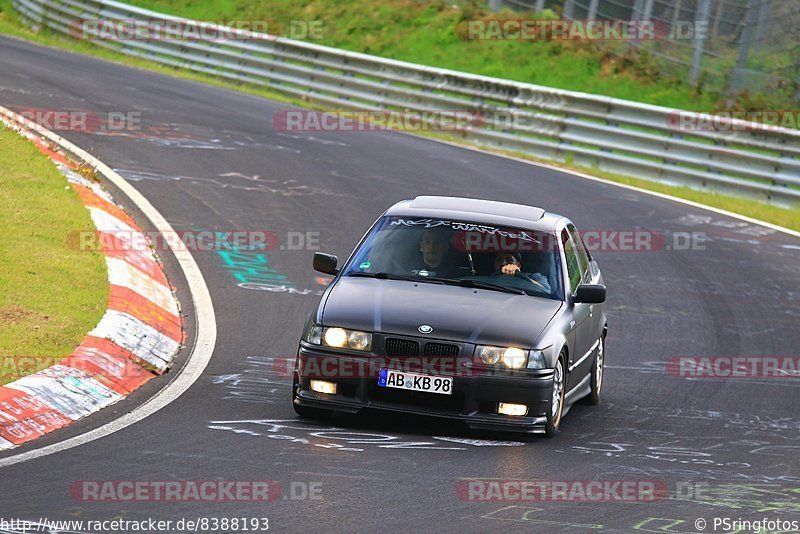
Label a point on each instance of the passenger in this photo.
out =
(510, 264)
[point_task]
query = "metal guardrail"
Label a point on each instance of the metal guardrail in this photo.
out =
(613, 135)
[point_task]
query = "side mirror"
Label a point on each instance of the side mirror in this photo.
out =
(326, 263)
(590, 293)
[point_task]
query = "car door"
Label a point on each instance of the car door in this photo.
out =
(591, 275)
(578, 335)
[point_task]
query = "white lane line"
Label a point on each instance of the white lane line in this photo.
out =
(615, 184)
(206, 333)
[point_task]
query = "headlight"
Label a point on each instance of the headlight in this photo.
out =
(536, 360)
(359, 340)
(335, 337)
(512, 357)
(339, 338)
(490, 355)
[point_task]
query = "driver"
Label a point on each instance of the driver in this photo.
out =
(510, 264)
(436, 257)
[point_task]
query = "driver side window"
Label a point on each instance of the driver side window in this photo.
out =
(573, 269)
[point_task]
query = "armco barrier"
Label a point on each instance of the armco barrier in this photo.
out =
(613, 135)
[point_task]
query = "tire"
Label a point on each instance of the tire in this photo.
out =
(557, 399)
(598, 372)
(308, 412)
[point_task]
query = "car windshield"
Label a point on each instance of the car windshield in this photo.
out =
(462, 253)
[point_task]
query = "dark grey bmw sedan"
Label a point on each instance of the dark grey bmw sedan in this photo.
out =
(482, 311)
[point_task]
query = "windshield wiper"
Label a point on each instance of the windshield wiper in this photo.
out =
(385, 276)
(479, 284)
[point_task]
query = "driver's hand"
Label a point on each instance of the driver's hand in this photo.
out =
(510, 269)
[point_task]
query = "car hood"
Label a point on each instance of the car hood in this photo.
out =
(455, 313)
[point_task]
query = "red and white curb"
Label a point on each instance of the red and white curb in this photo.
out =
(134, 341)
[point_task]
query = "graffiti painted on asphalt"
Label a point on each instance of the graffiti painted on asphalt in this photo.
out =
(629, 434)
(343, 440)
(234, 180)
(279, 288)
(252, 267)
(258, 383)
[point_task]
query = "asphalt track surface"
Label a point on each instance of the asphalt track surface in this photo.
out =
(209, 158)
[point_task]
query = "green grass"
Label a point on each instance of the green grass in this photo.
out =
(789, 218)
(51, 295)
(433, 32)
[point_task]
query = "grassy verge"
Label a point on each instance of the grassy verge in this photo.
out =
(9, 25)
(50, 294)
(435, 32)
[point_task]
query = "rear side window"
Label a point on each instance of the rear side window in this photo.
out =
(573, 268)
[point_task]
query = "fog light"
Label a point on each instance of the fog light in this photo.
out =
(323, 386)
(511, 409)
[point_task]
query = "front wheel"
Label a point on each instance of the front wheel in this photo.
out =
(556, 400)
(598, 368)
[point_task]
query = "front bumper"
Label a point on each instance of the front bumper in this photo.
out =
(476, 392)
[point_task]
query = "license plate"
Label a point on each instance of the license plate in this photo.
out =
(389, 378)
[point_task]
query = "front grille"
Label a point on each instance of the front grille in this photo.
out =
(395, 347)
(441, 350)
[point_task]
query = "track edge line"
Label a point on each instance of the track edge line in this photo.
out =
(206, 327)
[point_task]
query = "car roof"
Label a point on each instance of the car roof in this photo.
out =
(477, 210)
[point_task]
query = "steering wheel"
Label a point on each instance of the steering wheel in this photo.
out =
(529, 279)
(521, 275)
